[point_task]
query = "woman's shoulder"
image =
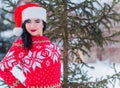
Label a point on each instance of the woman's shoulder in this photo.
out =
(18, 42)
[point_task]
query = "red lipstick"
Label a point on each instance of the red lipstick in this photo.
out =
(33, 30)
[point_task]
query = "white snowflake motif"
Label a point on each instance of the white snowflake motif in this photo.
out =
(34, 59)
(55, 52)
(8, 61)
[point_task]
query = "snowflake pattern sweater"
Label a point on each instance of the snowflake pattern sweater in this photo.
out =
(40, 65)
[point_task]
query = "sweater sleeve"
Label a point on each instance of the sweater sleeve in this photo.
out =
(9, 61)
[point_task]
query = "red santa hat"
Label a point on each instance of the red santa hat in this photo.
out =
(27, 11)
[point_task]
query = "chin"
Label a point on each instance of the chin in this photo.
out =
(35, 34)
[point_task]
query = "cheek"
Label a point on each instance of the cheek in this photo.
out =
(40, 25)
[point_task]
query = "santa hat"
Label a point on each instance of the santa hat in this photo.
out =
(27, 11)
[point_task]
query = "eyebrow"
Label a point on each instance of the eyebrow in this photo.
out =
(27, 20)
(34, 20)
(37, 20)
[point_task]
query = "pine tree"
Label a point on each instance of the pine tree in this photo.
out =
(4, 26)
(79, 27)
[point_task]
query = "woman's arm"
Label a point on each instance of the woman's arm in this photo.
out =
(6, 65)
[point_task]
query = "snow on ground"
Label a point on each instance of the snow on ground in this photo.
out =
(103, 69)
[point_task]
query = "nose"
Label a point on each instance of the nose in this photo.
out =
(32, 24)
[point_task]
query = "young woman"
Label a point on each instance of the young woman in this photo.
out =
(38, 57)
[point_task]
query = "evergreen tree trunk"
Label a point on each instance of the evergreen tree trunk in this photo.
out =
(65, 62)
(65, 46)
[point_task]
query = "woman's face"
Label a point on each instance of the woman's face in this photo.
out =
(34, 27)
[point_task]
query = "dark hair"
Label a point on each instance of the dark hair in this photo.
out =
(26, 37)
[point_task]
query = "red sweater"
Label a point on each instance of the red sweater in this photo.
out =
(40, 65)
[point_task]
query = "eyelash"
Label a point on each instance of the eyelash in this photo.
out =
(28, 22)
(35, 21)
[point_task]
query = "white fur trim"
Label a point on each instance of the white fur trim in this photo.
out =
(17, 31)
(34, 12)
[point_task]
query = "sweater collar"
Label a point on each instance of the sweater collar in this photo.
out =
(35, 38)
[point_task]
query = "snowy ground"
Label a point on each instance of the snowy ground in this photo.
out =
(103, 69)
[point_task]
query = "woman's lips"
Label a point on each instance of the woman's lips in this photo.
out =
(33, 30)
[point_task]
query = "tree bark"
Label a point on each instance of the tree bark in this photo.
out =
(65, 46)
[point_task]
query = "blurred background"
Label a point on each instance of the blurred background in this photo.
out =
(88, 34)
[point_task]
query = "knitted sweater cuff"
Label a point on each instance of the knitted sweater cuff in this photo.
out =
(18, 84)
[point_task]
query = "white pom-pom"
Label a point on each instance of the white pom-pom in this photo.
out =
(17, 31)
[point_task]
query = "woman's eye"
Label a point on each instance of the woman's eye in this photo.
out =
(28, 21)
(37, 21)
